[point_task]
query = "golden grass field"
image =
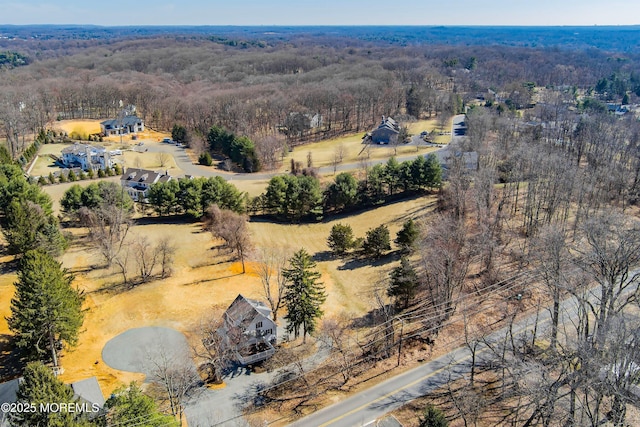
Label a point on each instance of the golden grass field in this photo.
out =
(323, 152)
(203, 278)
(201, 281)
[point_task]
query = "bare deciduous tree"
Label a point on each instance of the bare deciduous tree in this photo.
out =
(173, 375)
(166, 251)
(270, 262)
(213, 348)
(145, 256)
(163, 159)
(108, 228)
(232, 228)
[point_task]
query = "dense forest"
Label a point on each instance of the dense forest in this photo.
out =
(545, 214)
(259, 83)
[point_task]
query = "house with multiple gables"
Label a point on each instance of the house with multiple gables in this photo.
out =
(248, 330)
(122, 126)
(138, 181)
(387, 132)
(86, 157)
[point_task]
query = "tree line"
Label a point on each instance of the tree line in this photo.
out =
(293, 197)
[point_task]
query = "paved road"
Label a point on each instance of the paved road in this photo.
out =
(365, 407)
(184, 162)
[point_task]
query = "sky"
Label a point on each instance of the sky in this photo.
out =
(321, 12)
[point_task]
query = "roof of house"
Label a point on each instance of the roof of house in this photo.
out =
(8, 391)
(141, 176)
(81, 149)
(244, 309)
(388, 123)
(89, 390)
(126, 121)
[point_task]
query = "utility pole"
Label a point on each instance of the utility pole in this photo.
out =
(400, 344)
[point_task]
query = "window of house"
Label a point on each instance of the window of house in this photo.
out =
(259, 325)
(268, 331)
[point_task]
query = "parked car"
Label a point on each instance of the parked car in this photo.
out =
(168, 140)
(140, 143)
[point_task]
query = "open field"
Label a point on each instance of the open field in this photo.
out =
(323, 153)
(84, 128)
(204, 278)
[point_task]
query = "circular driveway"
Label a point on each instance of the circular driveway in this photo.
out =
(141, 349)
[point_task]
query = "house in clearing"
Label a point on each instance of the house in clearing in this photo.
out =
(138, 181)
(387, 132)
(122, 126)
(87, 157)
(248, 330)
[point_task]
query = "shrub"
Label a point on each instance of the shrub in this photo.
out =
(205, 159)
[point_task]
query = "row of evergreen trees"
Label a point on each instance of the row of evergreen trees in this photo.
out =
(295, 197)
(194, 196)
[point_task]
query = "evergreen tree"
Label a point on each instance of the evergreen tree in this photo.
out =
(128, 405)
(377, 241)
(180, 135)
(433, 417)
(340, 238)
(406, 237)
(28, 226)
(303, 294)
(404, 282)
(343, 193)
(40, 386)
(45, 310)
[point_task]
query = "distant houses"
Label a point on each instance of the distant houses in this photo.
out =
(387, 132)
(248, 330)
(138, 181)
(87, 157)
(122, 126)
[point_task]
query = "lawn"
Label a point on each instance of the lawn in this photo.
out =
(204, 278)
(323, 153)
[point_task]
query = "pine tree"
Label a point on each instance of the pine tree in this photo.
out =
(129, 405)
(404, 282)
(45, 311)
(406, 237)
(433, 417)
(40, 386)
(377, 241)
(340, 238)
(303, 294)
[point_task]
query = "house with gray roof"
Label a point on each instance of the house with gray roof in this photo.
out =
(86, 392)
(138, 181)
(248, 330)
(387, 132)
(86, 157)
(122, 126)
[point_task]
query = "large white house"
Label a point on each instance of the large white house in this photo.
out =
(87, 157)
(138, 181)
